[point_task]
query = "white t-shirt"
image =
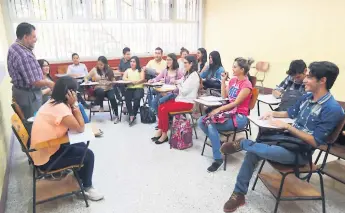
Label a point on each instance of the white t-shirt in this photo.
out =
(79, 69)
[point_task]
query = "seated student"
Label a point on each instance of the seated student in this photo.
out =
(212, 75)
(135, 91)
(226, 117)
(317, 114)
(292, 86)
(60, 114)
(168, 76)
(46, 91)
(153, 68)
(183, 53)
(124, 65)
(201, 56)
(78, 69)
(104, 75)
(188, 91)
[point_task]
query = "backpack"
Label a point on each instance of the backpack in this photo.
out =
(182, 135)
(147, 116)
(288, 99)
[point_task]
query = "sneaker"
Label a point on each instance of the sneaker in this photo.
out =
(116, 120)
(92, 194)
(231, 147)
(215, 166)
(236, 200)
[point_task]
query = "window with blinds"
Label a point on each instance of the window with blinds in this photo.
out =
(104, 27)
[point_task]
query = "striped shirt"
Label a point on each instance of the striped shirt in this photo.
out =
(290, 84)
(317, 118)
(23, 66)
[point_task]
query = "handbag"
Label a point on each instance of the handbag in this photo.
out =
(147, 116)
(293, 144)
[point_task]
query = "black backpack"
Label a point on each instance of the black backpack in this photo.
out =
(288, 99)
(147, 116)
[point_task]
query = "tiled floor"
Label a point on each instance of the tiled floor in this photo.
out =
(138, 176)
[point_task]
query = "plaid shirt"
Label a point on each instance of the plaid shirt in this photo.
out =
(290, 84)
(23, 66)
(317, 118)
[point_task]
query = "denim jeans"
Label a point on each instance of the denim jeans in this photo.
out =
(212, 131)
(150, 94)
(257, 152)
(159, 99)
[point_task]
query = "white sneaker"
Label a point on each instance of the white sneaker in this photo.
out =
(93, 195)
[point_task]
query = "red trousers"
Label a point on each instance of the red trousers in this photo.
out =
(167, 107)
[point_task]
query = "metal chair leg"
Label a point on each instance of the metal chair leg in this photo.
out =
(250, 128)
(246, 134)
(234, 137)
(322, 193)
(110, 110)
(90, 113)
(225, 161)
(81, 186)
(34, 190)
(203, 148)
(121, 105)
(257, 176)
(280, 192)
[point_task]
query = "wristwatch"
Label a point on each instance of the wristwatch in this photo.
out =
(75, 106)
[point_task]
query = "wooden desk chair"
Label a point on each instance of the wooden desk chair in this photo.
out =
(261, 68)
(16, 108)
(285, 186)
(184, 113)
(334, 169)
(227, 134)
(45, 190)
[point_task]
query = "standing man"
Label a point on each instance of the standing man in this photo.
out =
(26, 73)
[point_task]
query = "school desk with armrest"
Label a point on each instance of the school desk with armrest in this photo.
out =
(45, 190)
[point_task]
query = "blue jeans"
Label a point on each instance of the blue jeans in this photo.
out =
(159, 99)
(83, 113)
(257, 152)
(212, 132)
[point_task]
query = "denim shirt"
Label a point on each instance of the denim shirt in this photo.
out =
(217, 75)
(317, 118)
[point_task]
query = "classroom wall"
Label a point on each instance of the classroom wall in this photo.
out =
(278, 31)
(5, 104)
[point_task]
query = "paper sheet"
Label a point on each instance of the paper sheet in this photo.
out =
(89, 83)
(212, 98)
(208, 103)
(168, 87)
(266, 124)
(85, 136)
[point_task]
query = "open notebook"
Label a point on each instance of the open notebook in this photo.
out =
(266, 123)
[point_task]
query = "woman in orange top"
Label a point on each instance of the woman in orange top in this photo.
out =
(52, 121)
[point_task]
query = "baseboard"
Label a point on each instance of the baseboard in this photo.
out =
(6, 177)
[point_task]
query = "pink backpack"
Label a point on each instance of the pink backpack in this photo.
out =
(182, 136)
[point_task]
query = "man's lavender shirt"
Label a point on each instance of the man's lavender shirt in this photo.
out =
(23, 66)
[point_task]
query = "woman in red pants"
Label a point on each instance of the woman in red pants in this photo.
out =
(188, 91)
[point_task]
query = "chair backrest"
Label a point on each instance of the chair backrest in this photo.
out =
(62, 69)
(262, 66)
(254, 98)
(252, 80)
(20, 131)
(335, 134)
(16, 108)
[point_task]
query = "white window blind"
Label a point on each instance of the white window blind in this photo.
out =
(104, 27)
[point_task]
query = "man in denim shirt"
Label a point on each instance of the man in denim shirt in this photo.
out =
(317, 114)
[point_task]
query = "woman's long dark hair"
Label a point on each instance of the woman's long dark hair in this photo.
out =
(173, 57)
(108, 72)
(216, 62)
(137, 62)
(61, 88)
(41, 63)
(203, 58)
(192, 60)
